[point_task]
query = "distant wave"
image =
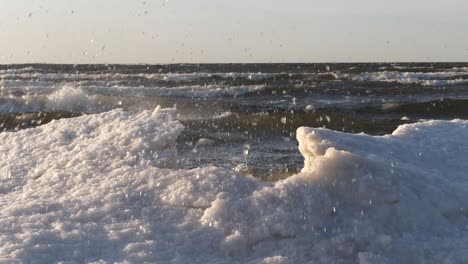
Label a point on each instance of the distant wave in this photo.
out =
(195, 91)
(441, 108)
(426, 78)
(31, 75)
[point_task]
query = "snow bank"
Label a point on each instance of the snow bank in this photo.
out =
(102, 188)
(411, 189)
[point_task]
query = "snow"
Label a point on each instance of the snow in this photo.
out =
(105, 188)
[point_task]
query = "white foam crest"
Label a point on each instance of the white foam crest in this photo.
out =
(427, 79)
(199, 75)
(73, 100)
(30, 74)
(201, 91)
(97, 188)
(461, 69)
(26, 85)
(15, 71)
(66, 98)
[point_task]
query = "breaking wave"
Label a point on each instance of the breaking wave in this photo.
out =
(421, 78)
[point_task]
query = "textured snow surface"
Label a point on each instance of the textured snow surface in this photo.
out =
(104, 188)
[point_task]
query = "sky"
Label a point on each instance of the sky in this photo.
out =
(221, 31)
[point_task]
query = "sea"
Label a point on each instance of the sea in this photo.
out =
(234, 163)
(241, 116)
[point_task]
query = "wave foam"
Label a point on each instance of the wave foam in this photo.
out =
(426, 79)
(71, 99)
(192, 91)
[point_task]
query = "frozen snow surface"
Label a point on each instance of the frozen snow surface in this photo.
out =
(103, 188)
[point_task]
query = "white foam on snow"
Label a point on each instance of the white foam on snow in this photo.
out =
(103, 188)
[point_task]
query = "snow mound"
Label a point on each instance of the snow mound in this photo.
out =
(104, 188)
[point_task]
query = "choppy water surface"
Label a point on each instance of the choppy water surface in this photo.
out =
(241, 115)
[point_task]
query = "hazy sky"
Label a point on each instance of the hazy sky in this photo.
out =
(160, 31)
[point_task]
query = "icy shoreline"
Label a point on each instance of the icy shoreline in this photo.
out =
(103, 188)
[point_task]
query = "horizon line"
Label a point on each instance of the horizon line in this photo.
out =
(237, 63)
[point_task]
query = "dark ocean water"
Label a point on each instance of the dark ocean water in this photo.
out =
(241, 115)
